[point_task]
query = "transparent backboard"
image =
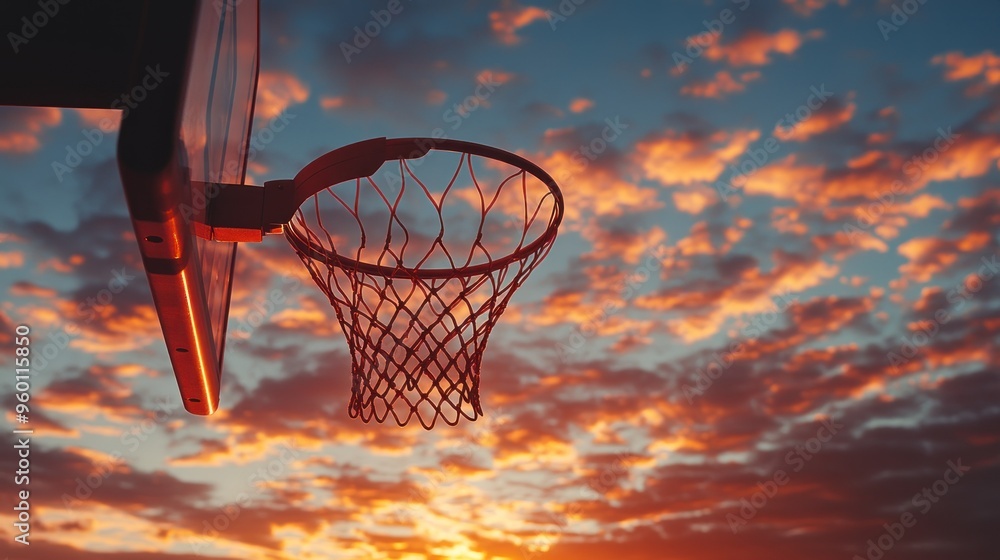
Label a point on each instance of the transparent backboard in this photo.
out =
(216, 128)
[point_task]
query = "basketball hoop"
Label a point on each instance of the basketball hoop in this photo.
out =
(417, 292)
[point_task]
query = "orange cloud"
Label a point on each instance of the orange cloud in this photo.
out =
(827, 315)
(853, 281)
(879, 137)
(628, 246)
(893, 218)
(921, 206)
(866, 159)
(971, 155)
(707, 305)
(580, 104)
(330, 103)
(979, 213)
(786, 179)
(310, 318)
(508, 20)
(493, 78)
(689, 158)
(496, 77)
(28, 289)
(755, 48)
(21, 127)
(983, 68)
(436, 97)
(806, 8)
(276, 91)
(698, 241)
(95, 393)
(873, 173)
(11, 259)
(115, 328)
(240, 450)
(593, 190)
(720, 86)
(929, 256)
(829, 117)
(842, 244)
(602, 310)
(695, 200)
(103, 119)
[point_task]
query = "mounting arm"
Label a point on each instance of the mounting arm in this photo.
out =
(245, 213)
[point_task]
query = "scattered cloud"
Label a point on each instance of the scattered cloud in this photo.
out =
(720, 86)
(436, 97)
(330, 103)
(106, 120)
(684, 158)
(928, 257)
(11, 259)
(695, 200)
(982, 70)
(580, 105)
(21, 128)
(831, 116)
(755, 48)
(510, 18)
(277, 91)
(806, 8)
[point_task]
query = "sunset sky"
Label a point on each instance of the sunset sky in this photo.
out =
(768, 327)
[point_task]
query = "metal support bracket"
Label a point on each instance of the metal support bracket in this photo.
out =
(245, 213)
(242, 213)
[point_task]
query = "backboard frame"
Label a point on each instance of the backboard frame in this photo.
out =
(94, 56)
(156, 174)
